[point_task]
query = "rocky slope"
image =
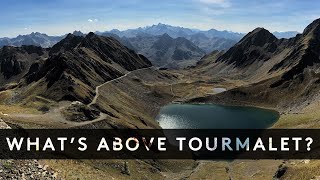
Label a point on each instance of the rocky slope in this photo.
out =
(15, 62)
(24, 169)
(282, 73)
(76, 65)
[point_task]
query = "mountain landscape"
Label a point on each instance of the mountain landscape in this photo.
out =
(211, 44)
(165, 51)
(35, 38)
(67, 72)
(111, 80)
(207, 41)
(175, 31)
(142, 41)
(273, 67)
(16, 61)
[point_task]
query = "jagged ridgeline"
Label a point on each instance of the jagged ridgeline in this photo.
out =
(70, 70)
(279, 72)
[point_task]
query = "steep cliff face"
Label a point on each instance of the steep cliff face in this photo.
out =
(16, 61)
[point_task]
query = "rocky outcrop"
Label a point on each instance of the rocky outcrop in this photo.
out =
(24, 169)
(16, 61)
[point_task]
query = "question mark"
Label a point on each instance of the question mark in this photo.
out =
(309, 143)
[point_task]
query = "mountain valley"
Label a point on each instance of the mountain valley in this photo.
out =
(106, 83)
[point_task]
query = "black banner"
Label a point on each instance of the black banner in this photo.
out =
(159, 144)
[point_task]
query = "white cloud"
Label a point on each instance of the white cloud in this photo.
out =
(93, 20)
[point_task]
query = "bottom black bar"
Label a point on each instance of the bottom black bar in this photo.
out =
(159, 144)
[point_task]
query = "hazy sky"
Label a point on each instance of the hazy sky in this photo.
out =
(56, 17)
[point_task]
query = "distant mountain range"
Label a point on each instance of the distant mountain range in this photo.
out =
(163, 50)
(44, 40)
(35, 38)
(287, 34)
(176, 31)
(181, 46)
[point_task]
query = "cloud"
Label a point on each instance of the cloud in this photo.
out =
(93, 20)
(221, 3)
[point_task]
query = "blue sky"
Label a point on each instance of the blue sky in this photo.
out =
(56, 17)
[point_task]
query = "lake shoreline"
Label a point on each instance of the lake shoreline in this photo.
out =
(215, 116)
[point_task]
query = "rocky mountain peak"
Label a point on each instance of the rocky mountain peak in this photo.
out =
(78, 33)
(69, 36)
(36, 33)
(258, 45)
(69, 42)
(91, 35)
(258, 37)
(313, 28)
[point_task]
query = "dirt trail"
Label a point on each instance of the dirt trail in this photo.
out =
(97, 88)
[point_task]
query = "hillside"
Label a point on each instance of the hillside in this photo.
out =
(277, 73)
(76, 65)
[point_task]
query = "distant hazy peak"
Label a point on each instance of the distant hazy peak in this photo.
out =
(37, 33)
(78, 33)
(285, 34)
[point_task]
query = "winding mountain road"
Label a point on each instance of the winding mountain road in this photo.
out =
(55, 118)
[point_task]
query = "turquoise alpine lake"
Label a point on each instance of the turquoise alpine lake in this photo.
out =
(210, 116)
